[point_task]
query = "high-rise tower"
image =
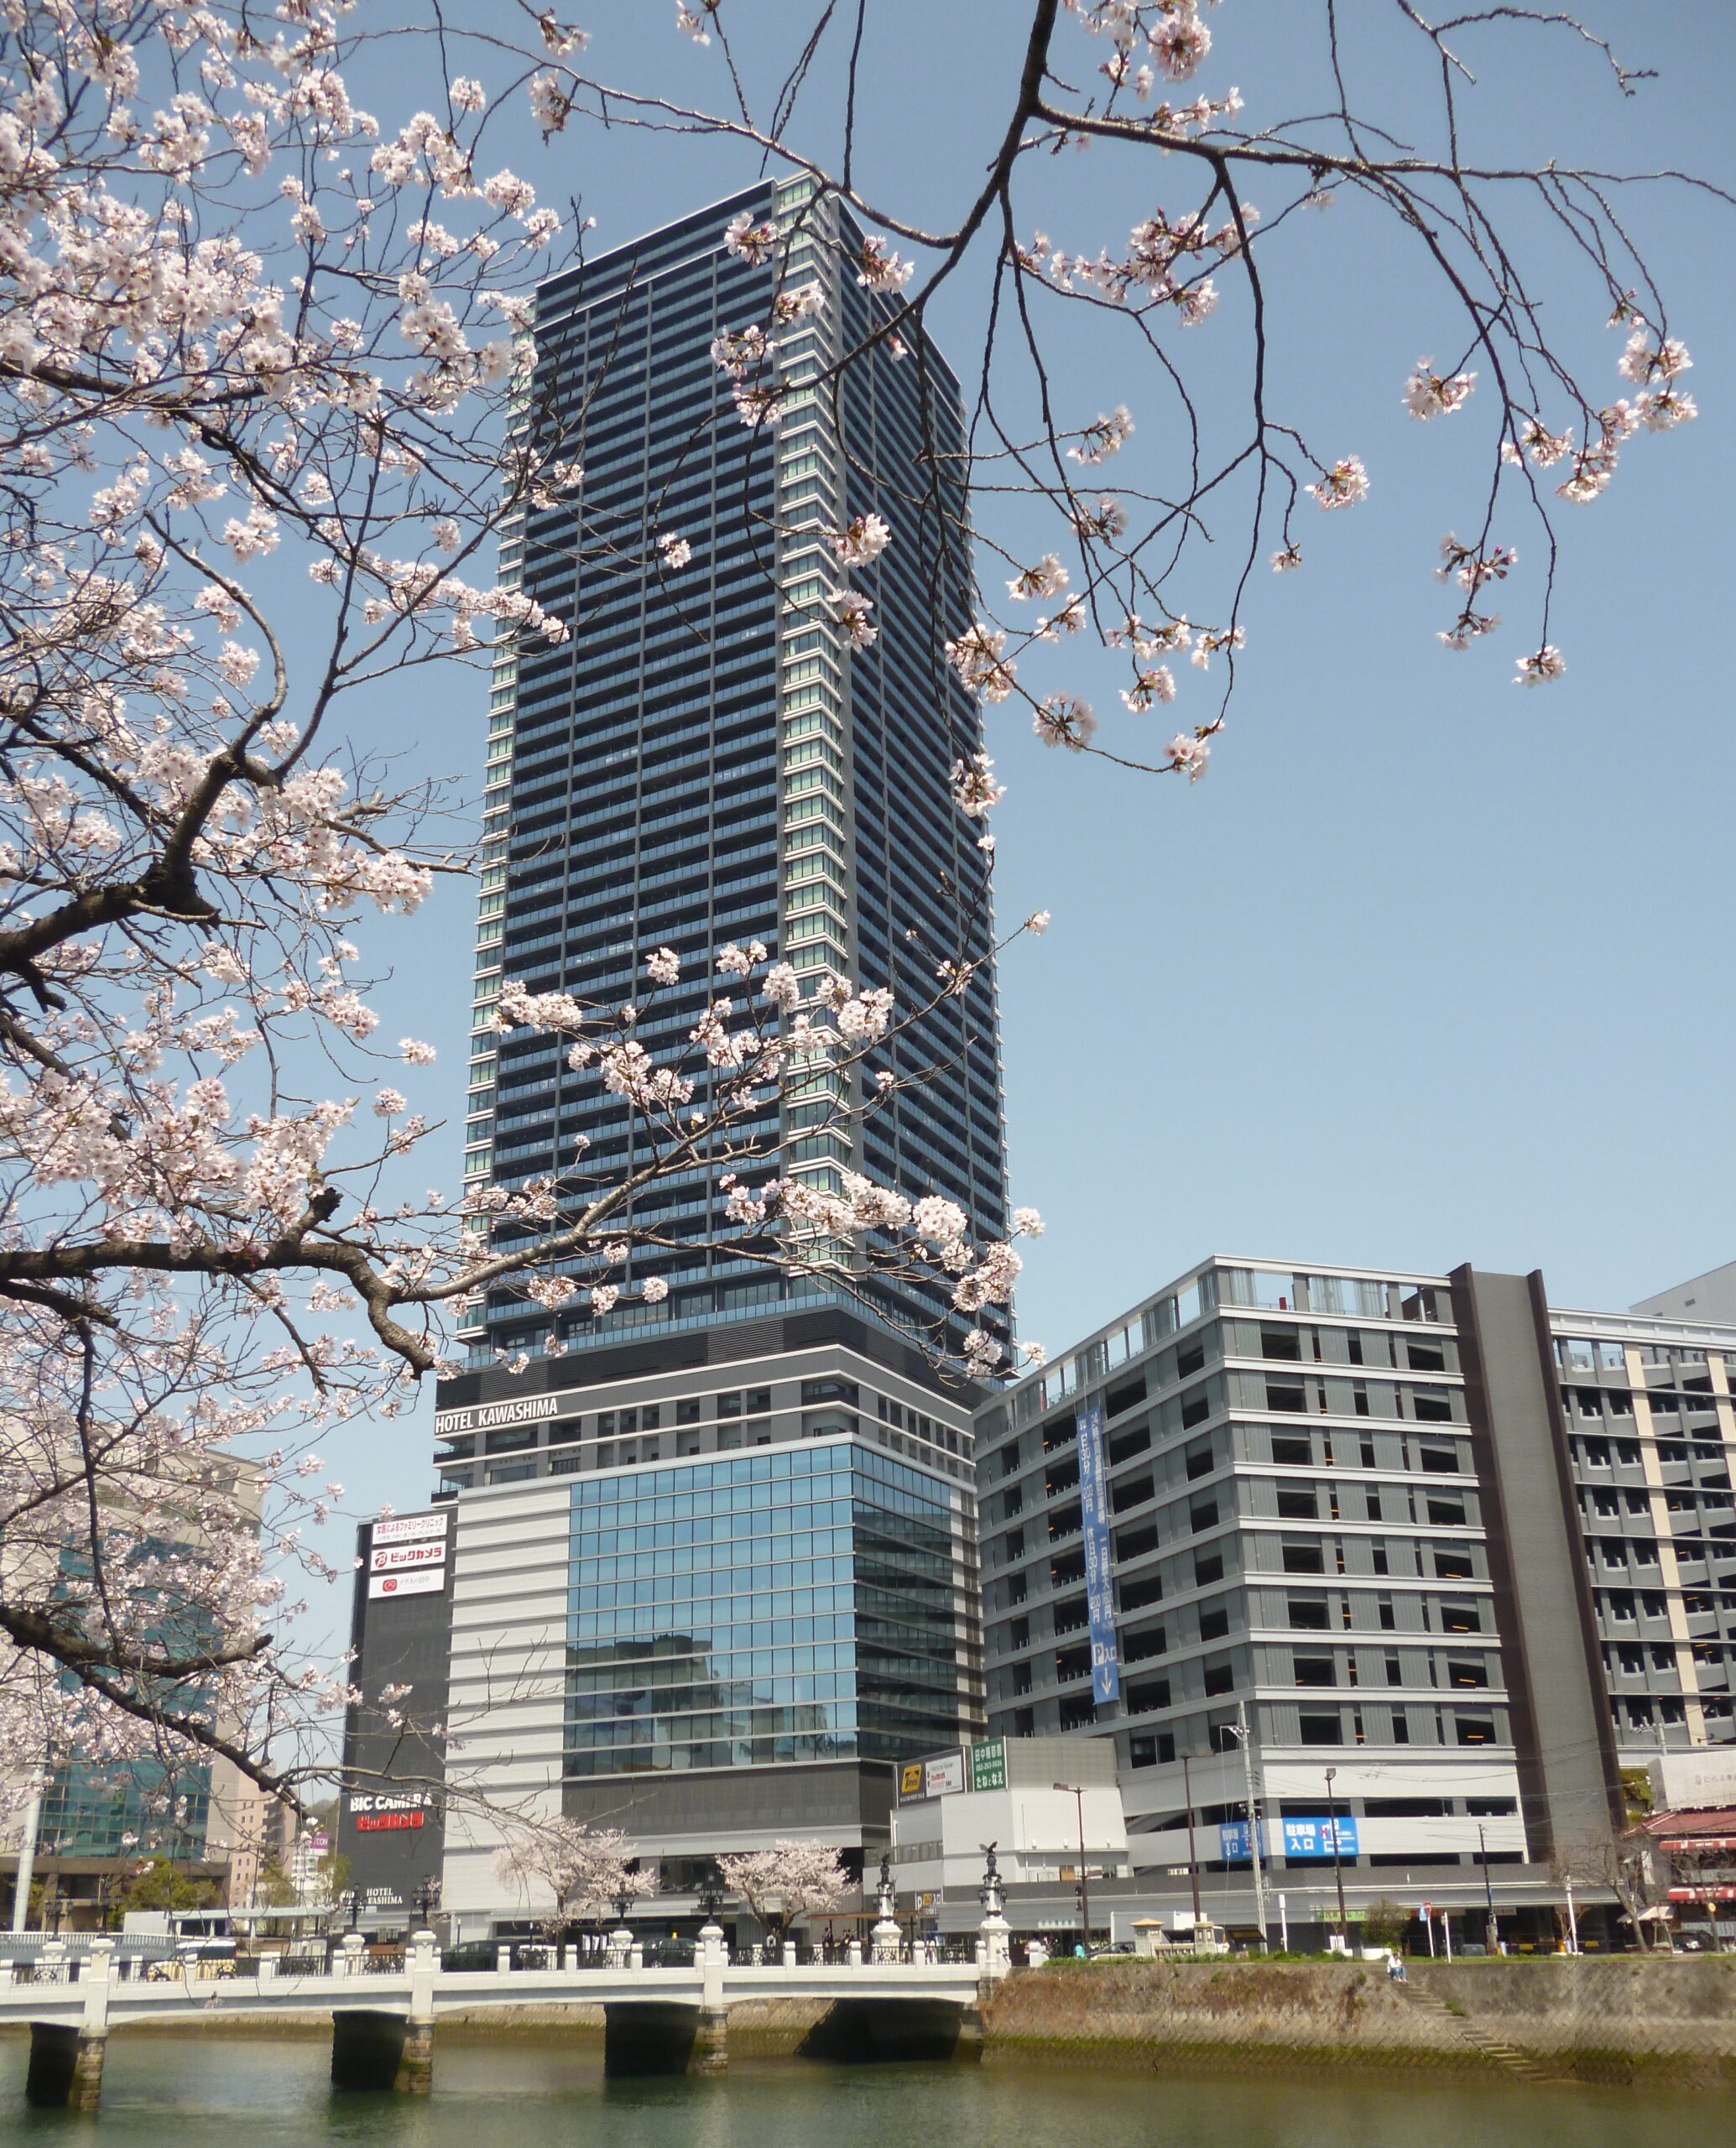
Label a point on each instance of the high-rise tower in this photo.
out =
(749, 1636)
(708, 760)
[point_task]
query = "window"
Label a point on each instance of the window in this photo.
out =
(1153, 1693)
(1203, 1514)
(1303, 1559)
(1459, 1617)
(1443, 1461)
(1196, 1408)
(1307, 1613)
(1426, 1356)
(1207, 1567)
(1475, 1730)
(1467, 1671)
(1142, 1752)
(1298, 1503)
(1286, 1395)
(1445, 1514)
(758, 1399)
(1292, 1453)
(827, 1390)
(730, 1405)
(1388, 1621)
(1134, 1595)
(1321, 1729)
(1135, 1543)
(688, 1413)
(1429, 1408)
(1141, 1647)
(1281, 1342)
(1214, 1622)
(1220, 1678)
(1191, 1360)
(1314, 1670)
(1197, 1459)
(1455, 1565)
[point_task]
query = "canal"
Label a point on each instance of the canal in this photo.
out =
(226, 2092)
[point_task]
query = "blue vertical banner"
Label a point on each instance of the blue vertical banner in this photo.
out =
(1099, 1580)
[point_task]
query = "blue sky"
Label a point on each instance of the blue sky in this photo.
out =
(1429, 968)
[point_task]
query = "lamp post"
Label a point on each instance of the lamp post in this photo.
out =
(1494, 1940)
(1573, 1920)
(1076, 1791)
(427, 1898)
(1193, 1862)
(1332, 1807)
(1238, 1730)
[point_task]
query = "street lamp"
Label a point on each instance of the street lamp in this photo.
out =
(427, 1896)
(1493, 1939)
(1076, 1791)
(1238, 1730)
(1193, 1861)
(1331, 1806)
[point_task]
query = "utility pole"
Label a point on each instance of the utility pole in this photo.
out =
(1489, 1893)
(1077, 1792)
(1573, 1920)
(1193, 1862)
(1331, 1806)
(1254, 1842)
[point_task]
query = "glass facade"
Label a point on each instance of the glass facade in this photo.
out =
(794, 1604)
(140, 1809)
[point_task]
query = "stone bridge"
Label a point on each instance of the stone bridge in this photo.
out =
(656, 2019)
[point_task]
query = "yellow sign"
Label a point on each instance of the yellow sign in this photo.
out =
(909, 1782)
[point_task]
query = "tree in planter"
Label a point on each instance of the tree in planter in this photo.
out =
(250, 332)
(1384, 1923)
(784, 1884)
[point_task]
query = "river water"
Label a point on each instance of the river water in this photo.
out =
(189, 2092)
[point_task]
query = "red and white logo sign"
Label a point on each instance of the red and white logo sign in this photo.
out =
(427, 1581)
(390, 1557)
(371, 1823)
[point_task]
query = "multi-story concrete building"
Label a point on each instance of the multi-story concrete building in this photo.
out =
(1420, 1532)
(713, 1558)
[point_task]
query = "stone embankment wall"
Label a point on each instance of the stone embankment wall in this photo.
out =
(1611, 2020)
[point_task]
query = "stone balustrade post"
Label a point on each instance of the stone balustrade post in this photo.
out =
(853, 1954)
(790, 1953)
(353, 1944)
(504, 1960)
(1036, 1952)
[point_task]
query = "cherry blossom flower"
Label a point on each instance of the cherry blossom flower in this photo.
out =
(862, 539)
(974, 788)
(1542, 670)
(851, 609)
(1429, 395)
(1065, 720)
(1188, 756)
(1343, 485)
